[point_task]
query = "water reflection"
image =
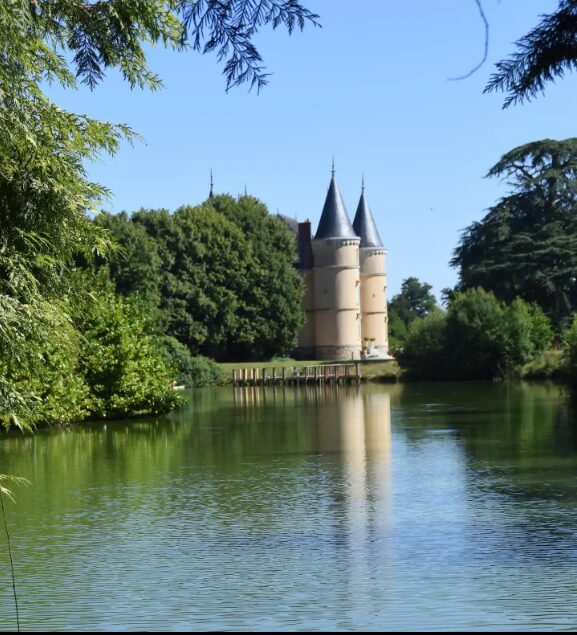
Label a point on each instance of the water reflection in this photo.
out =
(408, 507)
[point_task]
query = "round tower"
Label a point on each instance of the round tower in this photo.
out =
(374, 320)
(336, 282)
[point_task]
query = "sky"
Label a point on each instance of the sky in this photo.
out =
(370, 88)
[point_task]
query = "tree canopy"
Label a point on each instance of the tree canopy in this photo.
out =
(478, 337)
(414, 301)
(45, 195)
(526, 245)
(222, 275)
(547, 52)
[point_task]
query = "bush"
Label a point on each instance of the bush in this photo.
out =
(54, 391)
(205, 372)
(424, 352)
(121, 360)
(474, 336)
(570, 350)
(478, 338)
(190, 371)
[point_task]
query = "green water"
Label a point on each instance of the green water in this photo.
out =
(447, 506)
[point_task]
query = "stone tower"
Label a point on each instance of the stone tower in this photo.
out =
(374, 329)
(336, 282)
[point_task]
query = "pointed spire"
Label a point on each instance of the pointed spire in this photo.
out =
(211, 193)
(334, 222)
(364, 224)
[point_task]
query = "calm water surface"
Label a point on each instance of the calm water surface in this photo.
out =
(449, 506)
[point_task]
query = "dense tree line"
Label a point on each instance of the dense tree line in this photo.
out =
(526, 245)
(478, 337)
(221, 275)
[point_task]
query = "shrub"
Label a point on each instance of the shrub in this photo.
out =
(424, 352)
(475, 342)
(205, 372)
(570, 350)
(190, 371)
(120, 358)
(478, 338)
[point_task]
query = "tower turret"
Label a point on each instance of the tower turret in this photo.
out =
(373, 278)
(336, 281)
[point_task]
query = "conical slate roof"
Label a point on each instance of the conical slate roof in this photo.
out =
(364, 225)
(334, 222)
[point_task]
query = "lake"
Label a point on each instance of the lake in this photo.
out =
(375, 507)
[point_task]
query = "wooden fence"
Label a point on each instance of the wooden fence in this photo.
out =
(323, 374)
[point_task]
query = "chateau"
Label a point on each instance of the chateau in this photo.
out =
(343, 268)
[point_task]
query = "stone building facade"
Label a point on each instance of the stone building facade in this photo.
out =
(343, 268)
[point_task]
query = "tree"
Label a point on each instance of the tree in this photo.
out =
(44, 192)
(526, 245)
(272, 299)
(545, 53)
(135, 268)
(224, 272)
(414, 301)
(424, 353)
(477, 338)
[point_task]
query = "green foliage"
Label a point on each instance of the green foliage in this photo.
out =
(549, 364)
(204, 372)
(478, 338)
(424, 352)
(135, 267)
(224, 272)
(398, 330)
(109, 365)
(570, 350)
(44, 193)
(543, 54)
(474, 334)
(414, 301)
(191, 371)
(526, 245)
(121, 359)
(271, 299)
(56, 391)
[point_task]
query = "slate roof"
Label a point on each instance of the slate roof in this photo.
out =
(334, 222)
(364, 225)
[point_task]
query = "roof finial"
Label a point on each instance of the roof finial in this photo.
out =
(363, 184)
(245, 193)
(333, 168)
(211, 193)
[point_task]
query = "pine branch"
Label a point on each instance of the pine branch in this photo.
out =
(543, 55)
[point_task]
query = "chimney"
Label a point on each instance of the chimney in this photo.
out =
(304, 245)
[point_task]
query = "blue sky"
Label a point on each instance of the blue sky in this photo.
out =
(371, 88)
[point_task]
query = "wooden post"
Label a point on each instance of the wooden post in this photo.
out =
(316, 374)
(234, 377)
(274, 376)
(242, 376)
(306, 374)
(283, 371)
(358, 371)
(263, 378)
